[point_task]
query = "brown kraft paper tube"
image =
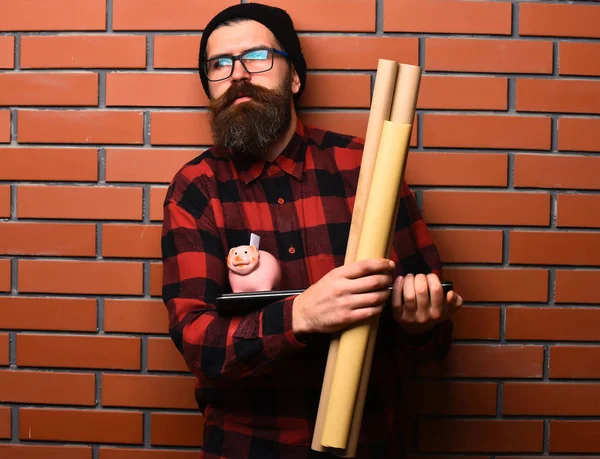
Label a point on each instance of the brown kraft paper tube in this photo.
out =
(379, 218)
(403, 111)
(353, 342)
(380, 111)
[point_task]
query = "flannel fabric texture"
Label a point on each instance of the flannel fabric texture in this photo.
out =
(258, 384)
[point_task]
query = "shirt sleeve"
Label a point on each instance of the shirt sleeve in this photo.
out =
(414, 252)
(194, 275)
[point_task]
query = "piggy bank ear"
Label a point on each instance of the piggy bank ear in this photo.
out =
(254, 251)
(230, 254)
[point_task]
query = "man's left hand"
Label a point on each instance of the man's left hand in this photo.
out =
(418, 302)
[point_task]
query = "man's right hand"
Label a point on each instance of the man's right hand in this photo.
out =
(345, 295)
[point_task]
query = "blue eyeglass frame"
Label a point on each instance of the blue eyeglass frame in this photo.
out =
(238, 57)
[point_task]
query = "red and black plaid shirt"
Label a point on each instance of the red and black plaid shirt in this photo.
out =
(258, 384)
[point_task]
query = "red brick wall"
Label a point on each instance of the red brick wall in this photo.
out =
(100, 104)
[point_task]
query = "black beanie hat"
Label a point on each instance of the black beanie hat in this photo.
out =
(275, 19)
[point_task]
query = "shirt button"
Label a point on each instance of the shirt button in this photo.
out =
(273, 168)
(280, 201)
(292, 250)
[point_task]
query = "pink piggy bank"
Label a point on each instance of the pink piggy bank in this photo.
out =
(252, 270)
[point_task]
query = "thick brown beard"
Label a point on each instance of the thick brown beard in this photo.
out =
(250, 127)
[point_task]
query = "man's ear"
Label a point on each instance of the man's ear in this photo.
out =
(295, 81)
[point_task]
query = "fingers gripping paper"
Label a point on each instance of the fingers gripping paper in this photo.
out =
(376, 206)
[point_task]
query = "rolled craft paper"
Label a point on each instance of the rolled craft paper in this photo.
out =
(403, 112)
(381, 106)
(401, 94)
(386, 77)
(353, 342)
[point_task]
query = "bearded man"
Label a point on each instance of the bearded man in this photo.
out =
(259, 375)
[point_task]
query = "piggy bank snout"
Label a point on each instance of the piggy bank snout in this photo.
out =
(242, 259)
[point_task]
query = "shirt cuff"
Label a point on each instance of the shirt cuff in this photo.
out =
(276, 324)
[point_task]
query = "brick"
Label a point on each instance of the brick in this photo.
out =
(176, 51)
(135, 316)
(358, 15)
(7, 52)
(357, 53)
(59, 314)
(4, 201)
(164, 356)
(5, 430)
(486, 208)
(32, 88)
(569, 436)
(581, 134)
(457, 169)
(349, 123)
(488, 361)
(80, 277)
(176, 429)
(578, 210)
(18, 451)
(337, 90)
(468, 246)
(560, 171)
(4, 126)
(39, 15)
(131, 241)
(83, 51)
(579, 286)
(476, 435)
(80, 126)
(157, 197)
(145, 391)
(463, 93)
(570, 399)
(180, 128)
(549, 95)
(130, 453)
(59, 388)
(451, 398)
(575, 362)
(61, 164)
(4, 349)
(145, 165)
(578, 58)
(447, 16)
(81, 202)
(554, 248)
(98, 426)
(158, 15)
(552, 323)
(119, 353)
(155, 89)
(5, 278)
(156, 277)
(489, 56)
(17, 238)
(487, 131)
(549, 20)
(489, 284)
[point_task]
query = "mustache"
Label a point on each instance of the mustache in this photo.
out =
(243, 89)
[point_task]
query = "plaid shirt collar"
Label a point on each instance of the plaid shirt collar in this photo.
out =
(290, 160)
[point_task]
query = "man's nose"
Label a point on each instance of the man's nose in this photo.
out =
(239, 72)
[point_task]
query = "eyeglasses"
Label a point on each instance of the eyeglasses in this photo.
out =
(254, 61)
